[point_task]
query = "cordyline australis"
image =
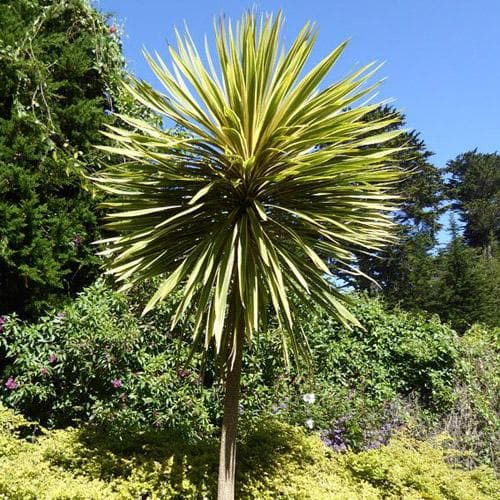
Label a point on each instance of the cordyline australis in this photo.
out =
(271, 187)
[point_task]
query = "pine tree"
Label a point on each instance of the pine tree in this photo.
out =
(468, 285)
(474, 188)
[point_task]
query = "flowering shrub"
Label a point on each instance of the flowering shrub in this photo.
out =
(97, 360)
(356, 390)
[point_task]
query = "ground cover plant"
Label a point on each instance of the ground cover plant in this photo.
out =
(278, 460)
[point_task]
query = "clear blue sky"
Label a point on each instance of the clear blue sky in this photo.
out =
(442, 57)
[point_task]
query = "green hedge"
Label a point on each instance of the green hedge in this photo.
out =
(276, 461)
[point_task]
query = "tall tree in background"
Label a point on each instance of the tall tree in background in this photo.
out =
(403, 270)
(60, 65)
(474, 189)
(466, 285)
(239, 212)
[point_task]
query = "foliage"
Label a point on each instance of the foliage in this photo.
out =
(424, 474)
(474, 188)
(277, 461)
(417, 217)
(411, 276)
(459, 283)
(95, 361)
(362, 377)
(100, 340)
(367, 384)
(467, 286)
(473, 421)
(60, 68)
(246, 206)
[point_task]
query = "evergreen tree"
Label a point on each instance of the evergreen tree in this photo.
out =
(400, 270)
(474, 188)
(409, 273)
(468, 285)
(60, 65)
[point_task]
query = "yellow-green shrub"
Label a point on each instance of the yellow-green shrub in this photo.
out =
(276, 461)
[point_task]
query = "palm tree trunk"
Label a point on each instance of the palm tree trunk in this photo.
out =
(227, 454)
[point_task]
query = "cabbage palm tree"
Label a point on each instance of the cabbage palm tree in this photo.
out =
(269, 189)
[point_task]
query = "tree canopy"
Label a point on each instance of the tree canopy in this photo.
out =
(474, 188)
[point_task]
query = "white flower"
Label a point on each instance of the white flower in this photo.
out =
(309, 423)
(309, 398)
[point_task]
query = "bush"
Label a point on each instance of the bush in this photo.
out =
(362, 379)
(277, 461)
(98, 360)
(473, 421)
(95, 361)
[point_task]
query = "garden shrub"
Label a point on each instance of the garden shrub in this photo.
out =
(97, 360)
(363, 378)
(474, 421)
(276, 461)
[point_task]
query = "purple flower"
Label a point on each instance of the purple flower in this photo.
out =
(61, 315)
(376, 438)
(44, 370)
(11, 384)
(334, 439)
(335, 436)
(77, 240)
(3, 319)
(52, 359)
(116, 383)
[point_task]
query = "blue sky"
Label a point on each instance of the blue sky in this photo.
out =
(442, 57)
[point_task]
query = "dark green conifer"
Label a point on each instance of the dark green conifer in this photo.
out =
(60, 67)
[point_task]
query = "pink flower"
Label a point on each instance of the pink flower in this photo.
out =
(52, 359)
(112, 29)
(116, 383)
(44, 370)
(11, 384)
(2, 322)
